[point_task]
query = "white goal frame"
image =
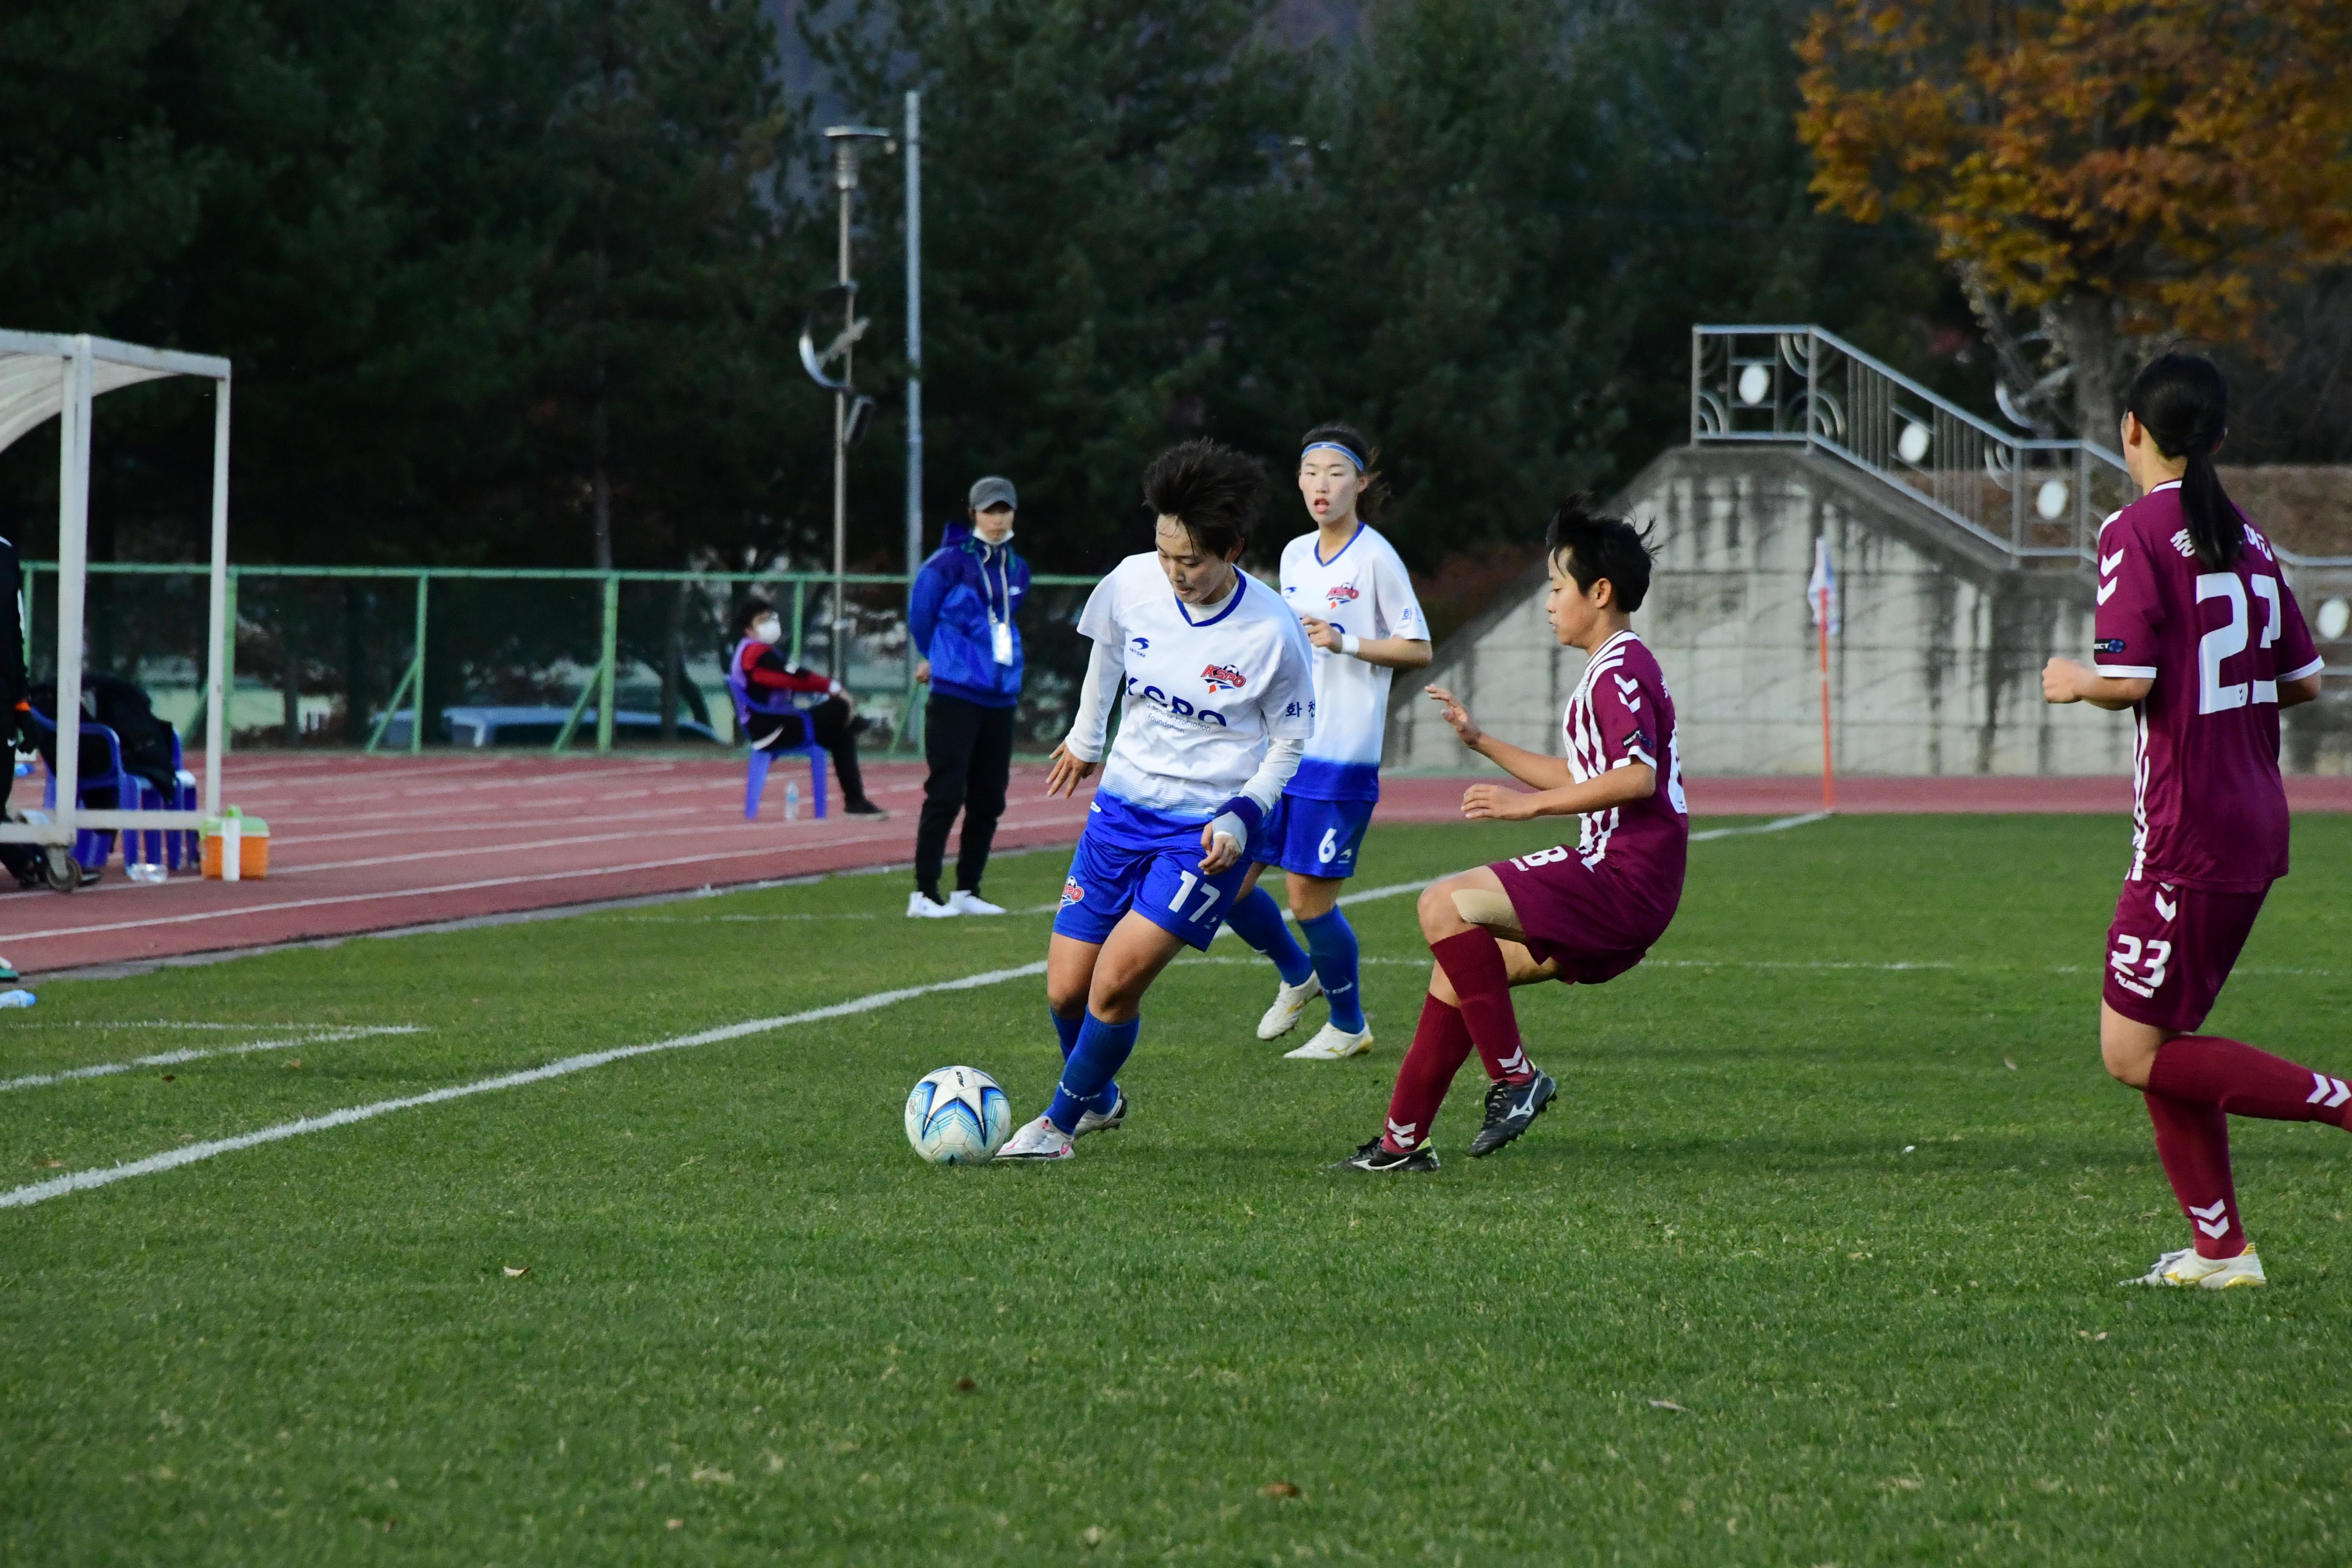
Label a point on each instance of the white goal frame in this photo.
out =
(88, 367)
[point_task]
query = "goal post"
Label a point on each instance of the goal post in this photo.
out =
(44, 376)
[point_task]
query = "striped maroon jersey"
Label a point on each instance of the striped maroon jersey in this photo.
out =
(2208, 810)
(1621, 714)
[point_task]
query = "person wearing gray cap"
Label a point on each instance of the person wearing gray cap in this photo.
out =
(962, 614)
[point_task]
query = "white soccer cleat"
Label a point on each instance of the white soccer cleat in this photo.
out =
(968, 903)
(2184, 1269)
(921, 907)
(1041, 1140)
(1101, 1121)
(1288, 1003)
(1332, 1044)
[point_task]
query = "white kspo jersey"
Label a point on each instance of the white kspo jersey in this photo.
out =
(1363, 589)
(1204, 696)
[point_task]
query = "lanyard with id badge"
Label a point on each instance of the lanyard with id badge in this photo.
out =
(1000, 633)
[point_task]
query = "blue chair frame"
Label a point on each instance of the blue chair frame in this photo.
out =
(764, 757)
(90, 846)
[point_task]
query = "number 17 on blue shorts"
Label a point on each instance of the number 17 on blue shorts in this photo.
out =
(1132, 857)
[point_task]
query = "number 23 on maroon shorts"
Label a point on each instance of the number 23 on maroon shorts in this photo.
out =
(2171, 949)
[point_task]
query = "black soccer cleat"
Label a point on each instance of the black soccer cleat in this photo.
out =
(1382, 1160)
(1511, 1109)
(861, 807)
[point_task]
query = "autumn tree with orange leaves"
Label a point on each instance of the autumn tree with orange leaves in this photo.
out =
(2116, 174)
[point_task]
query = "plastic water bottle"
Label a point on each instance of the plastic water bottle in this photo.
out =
(16, 998)
(147, 872)
(793, 801)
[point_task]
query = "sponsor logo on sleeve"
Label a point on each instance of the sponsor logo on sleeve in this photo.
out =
(1639, 741)
(1224, 678)
(2107, 645)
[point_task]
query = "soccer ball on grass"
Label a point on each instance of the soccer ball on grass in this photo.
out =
(958, 1116)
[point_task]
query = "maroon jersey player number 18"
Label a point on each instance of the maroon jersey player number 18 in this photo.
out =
(2199, 636)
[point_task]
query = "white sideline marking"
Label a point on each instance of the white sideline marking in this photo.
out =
(731, 919)
(81, 1181)
(168, 1058)
(171, 1024)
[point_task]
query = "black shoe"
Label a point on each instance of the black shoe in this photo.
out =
(1511, 1109)
(861, 808)
(1380, 1159)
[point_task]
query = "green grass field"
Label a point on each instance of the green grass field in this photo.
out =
(1816, 1261)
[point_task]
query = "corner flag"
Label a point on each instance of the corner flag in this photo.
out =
(1821, 592)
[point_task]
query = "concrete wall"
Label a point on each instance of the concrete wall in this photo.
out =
(1937, 670)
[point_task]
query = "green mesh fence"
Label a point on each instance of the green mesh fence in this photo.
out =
(329, 657)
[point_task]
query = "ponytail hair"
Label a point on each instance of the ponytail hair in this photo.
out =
(1371, 488)
(2183, 402)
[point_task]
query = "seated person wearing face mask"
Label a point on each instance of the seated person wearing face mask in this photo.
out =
(770, 676)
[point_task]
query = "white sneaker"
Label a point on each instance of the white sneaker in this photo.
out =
(964, 903)
(2184, 1267)
(1332, 1044)
(919, 907)
(1288, 1002)
(1101, 1121)
(1041, 1140)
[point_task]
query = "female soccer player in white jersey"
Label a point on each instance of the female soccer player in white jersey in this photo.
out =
(1220, 699)
(1581, 913)
(1356, 601)
(2197, 634)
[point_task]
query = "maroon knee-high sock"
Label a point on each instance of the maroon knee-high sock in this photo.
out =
(2233, 1077)
(1440, 1043)
(1473, 961)
(2193, 1141)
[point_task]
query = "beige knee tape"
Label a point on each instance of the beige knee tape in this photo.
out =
(1486, 907)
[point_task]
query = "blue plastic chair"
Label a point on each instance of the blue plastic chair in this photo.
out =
(91, 847)
(169, 848)
(764, 757)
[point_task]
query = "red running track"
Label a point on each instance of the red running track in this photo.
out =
(364, 844)
(361, 844)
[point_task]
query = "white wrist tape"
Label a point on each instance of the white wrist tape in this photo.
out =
(1349, 643)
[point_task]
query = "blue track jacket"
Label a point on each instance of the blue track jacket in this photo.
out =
(965, 587)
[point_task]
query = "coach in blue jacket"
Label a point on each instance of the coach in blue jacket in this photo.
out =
(963, 616)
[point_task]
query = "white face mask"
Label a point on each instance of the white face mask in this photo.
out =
(768, 629)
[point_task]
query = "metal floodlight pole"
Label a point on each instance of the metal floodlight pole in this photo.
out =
(914, 364)
(844, 140)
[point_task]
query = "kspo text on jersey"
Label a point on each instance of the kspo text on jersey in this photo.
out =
(1177, 692)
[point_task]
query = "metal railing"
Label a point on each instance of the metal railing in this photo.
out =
(1799, 386)
(375, 656)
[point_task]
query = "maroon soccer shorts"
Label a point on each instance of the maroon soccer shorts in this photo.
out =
(1591, 922)
(2171, 948)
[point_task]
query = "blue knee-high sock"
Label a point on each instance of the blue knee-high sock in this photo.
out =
(1333, 943)
(1257, 920)
(1093, 1062)
(1068, 1029)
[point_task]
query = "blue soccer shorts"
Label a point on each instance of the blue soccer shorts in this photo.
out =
(1133, 859)
(1315, 838)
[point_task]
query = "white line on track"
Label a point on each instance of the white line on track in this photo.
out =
(106, 1175)
(169, 1059)
(738, 855)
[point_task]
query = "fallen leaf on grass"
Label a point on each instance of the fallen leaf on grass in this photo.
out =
(711, 1475)
(965, 1385)
(676, 1523)
(1906, 1483)
(1280, 1489)
(2008, 1062)
(513, 1273)
(55, 1165)
(1092, 1535)
(1669, 1405)
(294, 1066)
(170, 1077)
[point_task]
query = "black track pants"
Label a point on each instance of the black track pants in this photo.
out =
(970, 749)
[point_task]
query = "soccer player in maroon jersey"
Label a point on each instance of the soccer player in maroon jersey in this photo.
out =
(2198, 635)
(1581, 914)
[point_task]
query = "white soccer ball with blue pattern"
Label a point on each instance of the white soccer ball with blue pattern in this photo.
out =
(958, 1116)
